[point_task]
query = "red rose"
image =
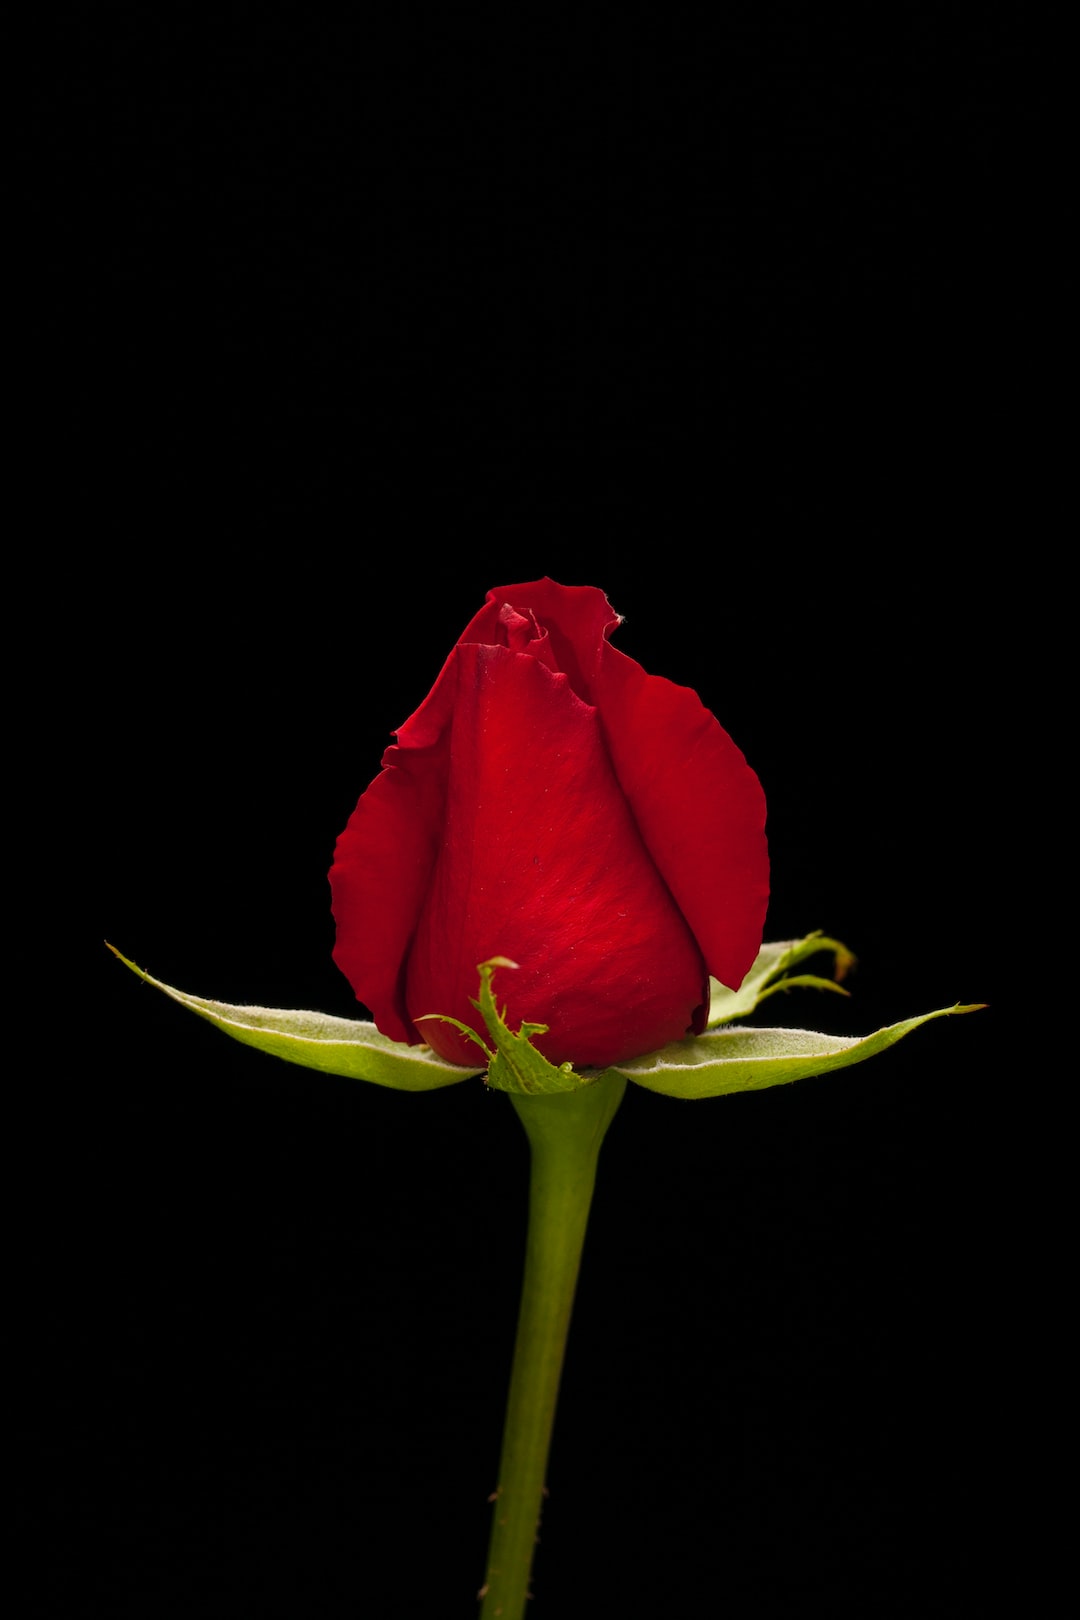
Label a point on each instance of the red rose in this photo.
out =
(551, 802)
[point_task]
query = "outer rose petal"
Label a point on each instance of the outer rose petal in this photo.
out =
(384, 859)
(699, 807)
(542, 862)
(698, 804)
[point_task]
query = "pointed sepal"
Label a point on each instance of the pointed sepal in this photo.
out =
(343, 1046)
(726, 1060)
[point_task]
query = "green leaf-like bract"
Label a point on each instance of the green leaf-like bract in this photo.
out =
(726, 1060)
(343, 1046)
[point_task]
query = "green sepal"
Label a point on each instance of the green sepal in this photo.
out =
(515, 1065)
(726, 1060)
(350, 1048)
(769, 974)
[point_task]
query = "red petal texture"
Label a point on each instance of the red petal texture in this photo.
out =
(698, 804)
(551, 802)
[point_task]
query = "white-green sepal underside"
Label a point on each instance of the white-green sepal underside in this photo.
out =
(343, 1046)
(726, 1060)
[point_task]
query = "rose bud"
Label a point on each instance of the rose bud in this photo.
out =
(552, 803)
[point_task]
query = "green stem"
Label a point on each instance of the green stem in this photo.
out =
(565, 1132)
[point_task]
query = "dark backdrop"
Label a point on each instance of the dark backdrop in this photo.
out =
(347, 323)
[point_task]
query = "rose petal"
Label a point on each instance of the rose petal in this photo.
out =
(541, 861)
(699, 806)
(384, 859)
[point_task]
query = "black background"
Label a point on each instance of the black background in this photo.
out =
(348, 321)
